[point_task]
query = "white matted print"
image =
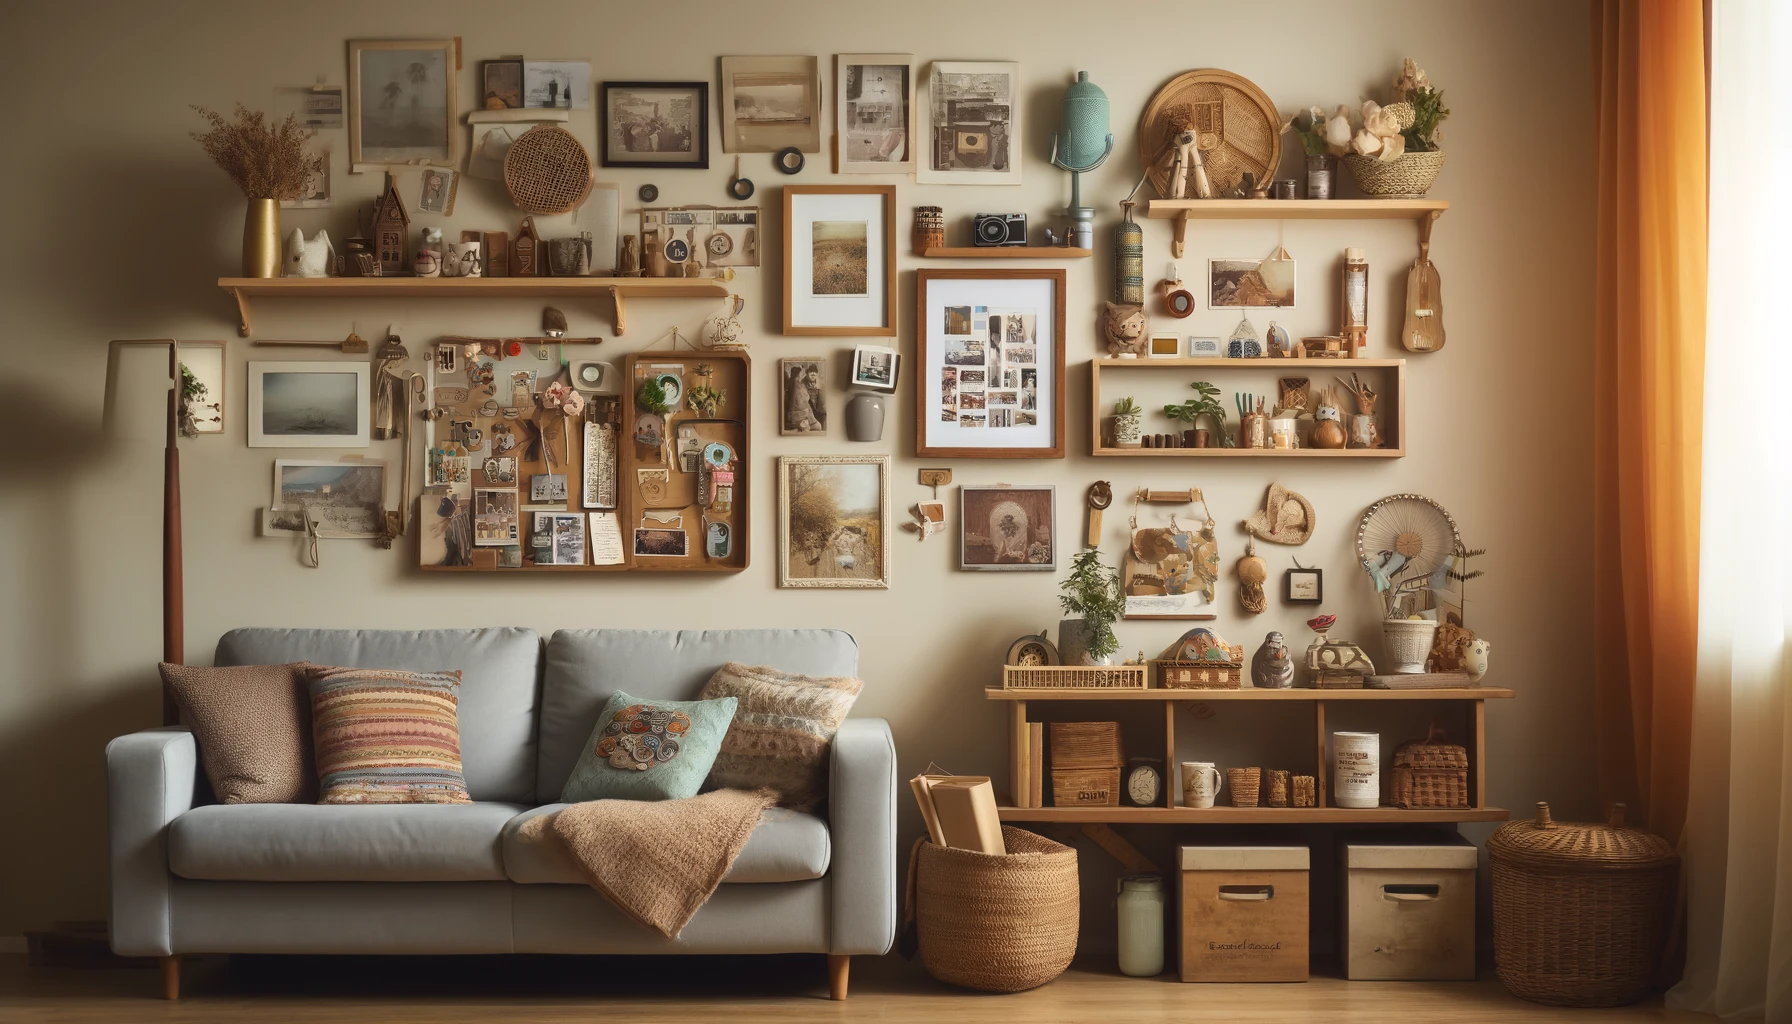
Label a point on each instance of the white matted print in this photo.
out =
(338, 499)
(991, 364)
(840, 258)
(769, 103)
(973, 134)
(874, 100)
(314, 404)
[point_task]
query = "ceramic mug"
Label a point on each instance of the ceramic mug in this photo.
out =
(1200, 783)
(462, 260)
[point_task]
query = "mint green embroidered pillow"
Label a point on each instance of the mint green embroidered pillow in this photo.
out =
(649, 749)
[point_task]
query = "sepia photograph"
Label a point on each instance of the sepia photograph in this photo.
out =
(339, 499)
(1250, 284)
(402, 102)
(802, 405)
(439, 188)
(833, 521)
(874, 366)
(973, 131)
(958, 320)
(658, 543)
(874, 97)
(838, 258)
(558, 84)
(769, 103)
(308, 405)
(655, 124)
(495, 512)
(1007, 528)
(965, 352)
(503, 84)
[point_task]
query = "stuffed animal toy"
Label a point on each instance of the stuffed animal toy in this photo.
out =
(312, 258)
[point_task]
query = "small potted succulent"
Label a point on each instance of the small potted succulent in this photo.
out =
(1091, 593)
(1206, 403)
(1128, 415)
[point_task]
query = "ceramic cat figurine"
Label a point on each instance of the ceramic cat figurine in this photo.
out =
(1123, 327)
(311, 258)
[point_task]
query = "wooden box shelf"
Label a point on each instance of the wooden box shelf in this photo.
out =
(1387, 376)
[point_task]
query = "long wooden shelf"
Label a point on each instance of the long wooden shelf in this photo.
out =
(1253, 453)
(1005, 252)
(1250, 815)
(1184, 210)
(1249, 693)
(1260, 363)
(617, 288)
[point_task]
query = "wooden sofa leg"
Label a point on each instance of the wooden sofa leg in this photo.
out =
(838, 965)
(171, 977)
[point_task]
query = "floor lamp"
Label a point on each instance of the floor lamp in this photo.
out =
(173, 592)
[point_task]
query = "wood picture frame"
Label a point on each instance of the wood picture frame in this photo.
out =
(953, 309)
(309, 404)
(833, 536)
(393, 68)
(831, 290)
(620, 137)
(1026, 517)
(874, 113)
(770, 103)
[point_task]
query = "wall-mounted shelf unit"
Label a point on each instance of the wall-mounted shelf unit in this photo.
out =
(1472, 701)
(1386, 376)
(618, 289)
(1184, 210)
(1005, 252)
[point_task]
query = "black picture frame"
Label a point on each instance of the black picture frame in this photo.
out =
(1318, 576)
(699, 160)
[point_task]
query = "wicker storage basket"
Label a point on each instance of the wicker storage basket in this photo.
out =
(998, 923)
(1086, 745)
(1410, 176)
(1202, 675)
(1073, 677)
(1243, 784)
(1430, 772)
(1580, 911)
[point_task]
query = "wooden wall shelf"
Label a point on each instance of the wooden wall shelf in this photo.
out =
(1388, 376)
(1005, 252)
(1251, 693)
(1184, 210)
(618, 289)
(1249, 815)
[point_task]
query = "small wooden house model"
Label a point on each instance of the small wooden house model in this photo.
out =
(391, 225)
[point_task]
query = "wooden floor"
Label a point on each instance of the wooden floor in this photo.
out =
(737, 990)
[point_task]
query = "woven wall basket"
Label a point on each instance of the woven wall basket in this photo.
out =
(997, 923)
(1410, 176)
(547, 171)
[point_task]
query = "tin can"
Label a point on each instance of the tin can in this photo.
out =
(1283, 189)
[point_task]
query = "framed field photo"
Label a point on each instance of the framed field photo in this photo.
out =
(989, 364)
(655, 124)
(874, 102)
(834, 521)
(840, 260)
(402, 103)
(1005, 528)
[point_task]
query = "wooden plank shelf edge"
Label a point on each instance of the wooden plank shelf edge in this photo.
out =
(1251, 815)
(1250, 693)
(1184, 210)
(1004, 252)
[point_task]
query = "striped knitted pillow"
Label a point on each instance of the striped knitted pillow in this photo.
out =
(387, 737)
(781, 731)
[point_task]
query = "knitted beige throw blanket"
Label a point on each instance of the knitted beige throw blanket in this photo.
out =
(657, 861)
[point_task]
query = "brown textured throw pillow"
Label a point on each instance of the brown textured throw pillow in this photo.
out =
(253, 727)
(781, 730)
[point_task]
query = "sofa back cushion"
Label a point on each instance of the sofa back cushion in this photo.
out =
(498, 669)
(585, 666)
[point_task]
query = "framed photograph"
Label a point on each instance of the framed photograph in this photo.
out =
(503, 85)
(802, 399)
(874, 100)
(989, 364)
(771, 103)
(344, 500)
(840, 260)
(973, 124)
(875, 366)
(557, 84)
(1164, 346)
(495, 514)
(439, 187)
(834, 521)
(314, 404)
(655, 124)
(1205, 348)
(1250, 284)
(402, 103)
(1303, 586)
(1003, 528)
(202, 397)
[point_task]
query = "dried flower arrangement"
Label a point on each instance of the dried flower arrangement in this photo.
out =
(1407, 125)
(266, 160)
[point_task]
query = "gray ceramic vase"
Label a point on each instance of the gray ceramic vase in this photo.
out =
(865, 417)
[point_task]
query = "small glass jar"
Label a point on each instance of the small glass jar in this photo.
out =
(1141, 908)
(1320, 172)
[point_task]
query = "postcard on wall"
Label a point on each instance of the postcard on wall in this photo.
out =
(495, 512)
(874, 99)
(339, 499)
(973, 112)
(770, 103)
(1251, 284)
(606, 539)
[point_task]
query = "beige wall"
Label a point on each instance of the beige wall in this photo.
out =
(118, 226)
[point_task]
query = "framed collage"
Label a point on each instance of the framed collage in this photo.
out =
(989, 364)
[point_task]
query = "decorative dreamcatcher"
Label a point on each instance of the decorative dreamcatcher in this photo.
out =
(1407, 543)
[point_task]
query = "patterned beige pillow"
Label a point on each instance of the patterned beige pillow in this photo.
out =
(253, 727)
(781, 731)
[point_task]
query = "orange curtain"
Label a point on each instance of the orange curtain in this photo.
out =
(1649, 338)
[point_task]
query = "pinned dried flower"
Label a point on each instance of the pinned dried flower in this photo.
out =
(267, 161)
(564, 397)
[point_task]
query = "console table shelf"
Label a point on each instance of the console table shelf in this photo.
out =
(1249, 815)
(617, 288)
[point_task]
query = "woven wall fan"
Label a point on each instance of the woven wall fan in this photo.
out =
(1238, 127)
(547, 171)
(1406, 539)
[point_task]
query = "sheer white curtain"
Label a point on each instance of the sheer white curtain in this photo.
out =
(1738, 839)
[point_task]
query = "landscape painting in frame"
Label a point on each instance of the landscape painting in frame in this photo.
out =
(973, 124)
(340, 499)
(308, 405)
(834, 521)
(874, 105)
(1008, 528)
(402, 102)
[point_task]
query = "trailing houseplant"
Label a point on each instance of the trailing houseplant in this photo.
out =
(1092, 594)
(268, 162)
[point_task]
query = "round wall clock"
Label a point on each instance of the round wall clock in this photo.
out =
(1144, 785)
(1032, 651)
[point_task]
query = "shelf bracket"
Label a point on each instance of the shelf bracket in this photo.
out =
(621, 311)
(1425, 223)
(242, 310)
(1180, 235)
(1118, 848)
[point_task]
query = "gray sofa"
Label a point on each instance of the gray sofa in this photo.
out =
(193, 876)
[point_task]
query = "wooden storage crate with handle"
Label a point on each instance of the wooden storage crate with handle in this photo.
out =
(1086, 763)
(1244, 913)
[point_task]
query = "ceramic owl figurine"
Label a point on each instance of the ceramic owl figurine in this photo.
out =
(1271, 668)
(1474, 658)
(311, 258)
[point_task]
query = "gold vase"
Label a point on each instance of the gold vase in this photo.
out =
(261, 238)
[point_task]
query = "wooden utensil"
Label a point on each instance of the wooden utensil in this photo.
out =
(352, 343)
(1424, 327)
(1101, 495)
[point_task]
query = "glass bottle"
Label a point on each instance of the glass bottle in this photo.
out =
(1354, 305)
(1141, 906)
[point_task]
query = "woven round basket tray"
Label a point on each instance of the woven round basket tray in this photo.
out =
(1239, 128)
(997, 923)
(547, 171)
(1408, 177)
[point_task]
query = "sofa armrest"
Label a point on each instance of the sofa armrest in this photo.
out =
(150, 780)
(862, 829)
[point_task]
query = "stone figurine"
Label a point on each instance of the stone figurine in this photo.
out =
(1271, 668)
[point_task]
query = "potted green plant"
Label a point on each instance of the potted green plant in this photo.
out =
(1205, 403)
(1092, 594)
(1127, 417)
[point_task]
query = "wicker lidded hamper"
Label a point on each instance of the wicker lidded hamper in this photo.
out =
(1000, 923)
(1580, 911)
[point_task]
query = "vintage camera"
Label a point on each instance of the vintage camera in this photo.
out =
(999, 229)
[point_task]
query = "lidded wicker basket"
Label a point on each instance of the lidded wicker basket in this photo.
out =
(1430, 772)
(547, 171)
(1580, 911)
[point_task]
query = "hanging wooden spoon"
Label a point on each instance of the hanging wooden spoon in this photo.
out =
(1424, 327)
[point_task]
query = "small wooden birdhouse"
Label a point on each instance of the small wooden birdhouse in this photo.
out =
(525, 250)
(391, 224)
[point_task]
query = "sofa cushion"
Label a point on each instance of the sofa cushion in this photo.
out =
(253, 726)
(340, 843)
(788, 846)
(385, 736)
(498, 671)
(649, 750)
(585, 666)
(781, 730)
